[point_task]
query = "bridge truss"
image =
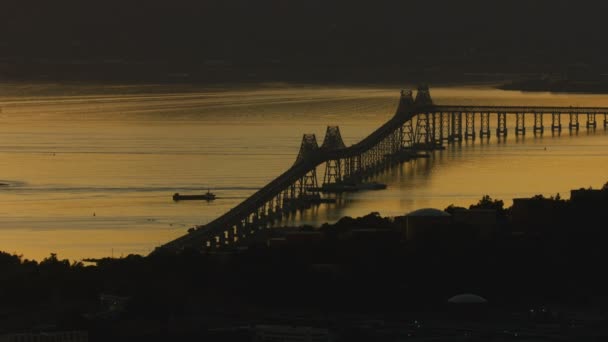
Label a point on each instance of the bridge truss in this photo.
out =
(418, 125)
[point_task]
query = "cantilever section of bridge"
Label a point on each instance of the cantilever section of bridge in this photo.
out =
(397, 140)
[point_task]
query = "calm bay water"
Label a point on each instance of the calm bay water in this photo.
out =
(91, 175)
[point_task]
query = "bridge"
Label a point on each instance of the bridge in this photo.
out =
(417, 126)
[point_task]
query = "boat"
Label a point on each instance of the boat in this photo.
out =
(209, 196)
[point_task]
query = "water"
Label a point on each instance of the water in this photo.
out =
(91, 174)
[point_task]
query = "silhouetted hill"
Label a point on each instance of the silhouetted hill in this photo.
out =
(269, 35)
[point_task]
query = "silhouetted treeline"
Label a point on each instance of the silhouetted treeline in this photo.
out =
(545, 251)
(474, 35)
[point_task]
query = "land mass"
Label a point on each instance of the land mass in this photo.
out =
(543, 254)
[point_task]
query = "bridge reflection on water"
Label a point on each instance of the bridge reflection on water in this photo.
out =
(418, 126)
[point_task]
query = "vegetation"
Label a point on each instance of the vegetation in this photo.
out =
(358, 265)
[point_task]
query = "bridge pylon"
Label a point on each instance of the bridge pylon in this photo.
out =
(423, 97)
(333, 139)
(501, 130)
(484, 131)
(333, 167)
(423, 130)
(538, 123)
(591, 123)
(520, 123)
(333, 171)
(308, 184)
(406, 103)
(469, 128)
(308, 149)
(556, 122)
(456, 127)
(573, 124)
(444, 127)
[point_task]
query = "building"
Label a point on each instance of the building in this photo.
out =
(588, 195)
(425, 223)
(533, 215)
(483, 220)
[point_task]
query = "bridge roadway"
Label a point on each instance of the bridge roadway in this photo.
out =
(516, 109)
(406, 110)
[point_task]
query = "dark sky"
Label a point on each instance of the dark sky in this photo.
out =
(312, 32)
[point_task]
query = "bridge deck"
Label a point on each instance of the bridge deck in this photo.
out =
(517, 109)
(287, 178)
(405, 111)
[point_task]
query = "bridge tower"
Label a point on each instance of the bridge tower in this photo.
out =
(333, 167)
(538, 123)
(591, 123)
(520, 123)
(556, 122)
(573, 125)
(469, 130)
(423, 97)
(501, 129)
(309, 149)
(484, 132)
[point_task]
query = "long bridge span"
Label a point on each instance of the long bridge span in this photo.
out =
(418, 125)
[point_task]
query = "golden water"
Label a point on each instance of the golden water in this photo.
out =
(93, 174)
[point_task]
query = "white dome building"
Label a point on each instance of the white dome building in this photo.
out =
(426, 212)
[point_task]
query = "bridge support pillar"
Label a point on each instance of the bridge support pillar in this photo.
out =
(556, 122)
(538, 123)
(444, 127)
(591, 123)
(520, 123)
(469, 131)
(437, 129)
(423, 129)
(456, 126)
(605, 120)
(407, 135)
(573, 125)
(501, 130)
(308, 183)
(484, 132)
(333, 172)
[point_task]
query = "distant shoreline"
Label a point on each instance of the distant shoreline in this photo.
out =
(557, 86)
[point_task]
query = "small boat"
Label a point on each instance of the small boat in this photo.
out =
(209, 196)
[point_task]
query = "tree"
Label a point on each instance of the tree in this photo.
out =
(486, 202)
